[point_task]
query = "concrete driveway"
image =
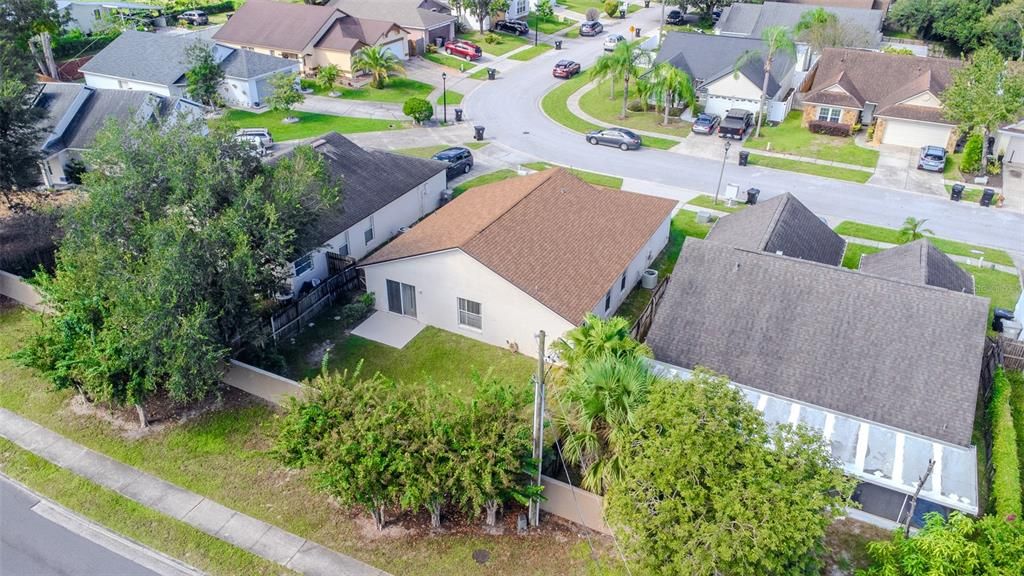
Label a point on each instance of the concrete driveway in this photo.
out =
(707, 146)
(897, 168)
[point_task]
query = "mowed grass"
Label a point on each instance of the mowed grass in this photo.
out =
(429, 151)
(481, 74)
(309, 124)
(460, 64)
(854, 251)
(548, 25)
(791, 138)
(531, 52)
(502, 43)
(969, 194)
(598, 103)
(226, 456)
(454, 97)
(705, 201)
(591, 177)
(581, 6)
(129, 518)
(892, 236)
(396, 90)
(848, 174)
(496, 176)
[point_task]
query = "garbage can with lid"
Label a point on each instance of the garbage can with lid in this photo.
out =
(478, 132)
(752, 194)
(744, 156)
(622, 12)
(558, 44)
(491, 73)
(998, 315)
(987, 196)
(957, 192)
(458, 114)
(637, 31)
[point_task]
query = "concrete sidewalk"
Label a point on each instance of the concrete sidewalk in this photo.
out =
(354, 108)
(287, 549)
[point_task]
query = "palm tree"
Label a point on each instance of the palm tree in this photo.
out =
(603, 70)
(672, 85)
(620, 62)
(777, 40)
(644, 90)
(913, 229)
(379, 62)
(595, 338)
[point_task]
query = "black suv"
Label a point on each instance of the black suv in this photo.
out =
(459, 159)
(512, 27)
(675, 18)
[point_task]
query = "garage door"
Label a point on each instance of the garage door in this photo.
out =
(398, 48)
(915, 134)
(720, 106)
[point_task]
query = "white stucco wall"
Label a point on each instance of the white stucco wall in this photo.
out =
(509, 315)
(1011, 146)
(103, 81)
(636, 268)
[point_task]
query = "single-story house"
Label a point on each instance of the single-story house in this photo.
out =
(710, 60)
(75, 113)
(158, 62)
(900, 94)
(882, 5)
(1010, 144)
(382, 193)
(426, 21)
(504, 261)
(884, 361)
(311, 35)
(750, 21)
(90, 17)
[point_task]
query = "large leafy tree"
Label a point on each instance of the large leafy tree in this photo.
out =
(959, 22)
(1009, 15)
(378, 62)
(778, 41)
(285, 93)
(483, 9)
(985, 93)
(821, 29)
(167, 263)
(671, 85)
(709, 488)
(204, 76)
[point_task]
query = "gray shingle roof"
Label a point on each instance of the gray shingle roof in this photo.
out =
(896, 353)
(752, 19)
(405, 13)
(919, 262)
(781, 224)
(707, 57)
(279, 25)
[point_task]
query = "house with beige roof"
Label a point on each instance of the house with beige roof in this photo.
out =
(313, 35)
(900, 94)
(426, 21)
(504, 261)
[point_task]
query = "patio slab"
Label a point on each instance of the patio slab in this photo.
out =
(390, 329)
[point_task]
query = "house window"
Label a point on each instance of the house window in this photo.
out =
(343, 249)
(622, 281)
(304, 264)
(368, 234)
(469, 314)
(402, 298)
(608, 301)
(829, 114)
(521, 7)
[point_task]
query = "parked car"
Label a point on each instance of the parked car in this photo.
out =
(612, 41)
(932, 159)
(259, 139)
(591, 28)
(619, 137)
(735, 124)
(467, 50)
(565, 69)
(716, 14)
(459, 159)
(675, 18)
(706, 123)
(516, 27)
(194, 17)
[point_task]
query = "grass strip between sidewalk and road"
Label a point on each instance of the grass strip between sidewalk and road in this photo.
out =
(429, 151)
(705, 201)
(824, 170)
(531, 52)
(129, 518)
(459, 64)
(309, 125)
(892, 236)
(496, 176)
(591, 177)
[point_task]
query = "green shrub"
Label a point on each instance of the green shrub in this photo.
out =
(418, 109)
(492, 38)
(1006, 484)
(971, 161)
(611, 8)
(354, 312)
(75, 43)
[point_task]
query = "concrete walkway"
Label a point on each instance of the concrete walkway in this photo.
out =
(355, 108)
(272, 543)
(389, 329)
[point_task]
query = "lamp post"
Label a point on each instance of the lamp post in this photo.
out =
(536, 29)
(722, 171)
(444, 95)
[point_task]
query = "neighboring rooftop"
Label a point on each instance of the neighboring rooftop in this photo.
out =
(540, 232)
(423, 14)
(708, 57)
(781, 225)
(349, 33)
(741, 19)
(919, 262)
(279, 25)
(904, 355)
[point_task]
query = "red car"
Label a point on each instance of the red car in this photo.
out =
(467, 50)
(565, 69)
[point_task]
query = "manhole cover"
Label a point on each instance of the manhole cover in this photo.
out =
(481, 556)
(526, 131)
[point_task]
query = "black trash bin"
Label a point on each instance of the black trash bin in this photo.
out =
(491, 73)
(957, 192)
(647, 3)
(987, 196)
(478, 132)
(744, 156)
(637, 31)
(998, 315)
(622, 12)
(558, 44)
(752, 194)
(458, 114)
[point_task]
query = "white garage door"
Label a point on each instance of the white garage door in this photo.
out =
(720, 106)
(915, 134)
(398, 48)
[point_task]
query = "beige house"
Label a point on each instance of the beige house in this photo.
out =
(426, 21)
(315, 36)
(900, 94)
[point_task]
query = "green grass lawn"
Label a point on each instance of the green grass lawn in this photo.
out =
(573, 34)
(226, 456)
(454, 97)
(531, 52)
(596, 102)
(309, 124)
(443, 59)
(851, 258)
(496, 176)
(129, 518)
(848, 174)
(548, 25)
(428, 151)
(791, 138)
(969, 194)
(1001, 288)
(396, 90)
(951, 170)
(705, 201)
(503, 43)
(892, 236)
(481, 74)
(591, 177)
(581, 6)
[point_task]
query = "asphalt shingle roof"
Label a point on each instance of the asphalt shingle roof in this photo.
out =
(708, 57)
(896, 353)
(279, 25)
(919, 262)
(752, 19)
(405, 13)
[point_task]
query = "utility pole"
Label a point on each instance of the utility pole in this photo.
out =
(913, 501)
(721, 172)
(538, 424)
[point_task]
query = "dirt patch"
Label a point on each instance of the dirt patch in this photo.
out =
(847, 543)
(315, 356)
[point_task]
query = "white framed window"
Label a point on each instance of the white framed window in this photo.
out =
(521, 7)
(470, 314)
(826, 114)
(368, 234)
(303, 264)
(343, 249)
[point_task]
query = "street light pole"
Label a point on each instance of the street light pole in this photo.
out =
(536, 29)
(722, 171)
(661, 31)
(444, 95)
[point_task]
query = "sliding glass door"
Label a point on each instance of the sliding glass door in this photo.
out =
(401, 298)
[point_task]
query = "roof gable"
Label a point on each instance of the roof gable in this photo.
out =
(279, 25)
(708, 57)
(405, 13)
(743, 19)
(918, 262)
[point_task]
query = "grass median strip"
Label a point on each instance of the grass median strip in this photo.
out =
(848, 174)
(892, 236)
(449, 61)
(309, 124)
(129, 518)
(591, 177)
(496, 176)
(531, 52)
(705, 201)
(453, 97)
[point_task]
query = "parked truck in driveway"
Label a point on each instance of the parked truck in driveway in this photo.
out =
(735, 124)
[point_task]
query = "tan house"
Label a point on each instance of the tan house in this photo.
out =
(900, 94)
(426, 21)
(315, 36)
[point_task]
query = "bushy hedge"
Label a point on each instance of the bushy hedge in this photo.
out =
(1006, 485)
(971, 161)
(829, 128)
(215, 8)
(74, 43)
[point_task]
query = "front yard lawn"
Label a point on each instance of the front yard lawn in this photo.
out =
(453, 97)
(851, 258)
(531, 52)
(496, 176)
(892, 236)
(396, 90)
(848, 174)
(459, 64)
(791, 138)
(502, 44)
(969, 194)
(705, 201)
(591, 177)
(548, 25)
(309, 124)
(428, 151)
(596, 102)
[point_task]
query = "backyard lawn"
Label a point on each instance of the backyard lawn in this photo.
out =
(849, 174)
(596, 102)
(531, 52)
(502, 43)
(309, 124)
(791, 138)
(496, 176)
(591, 177)
(891, 236)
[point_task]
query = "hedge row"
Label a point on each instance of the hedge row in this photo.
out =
(72, 45)
(829, 128)
(1006, 484)
(215, 8)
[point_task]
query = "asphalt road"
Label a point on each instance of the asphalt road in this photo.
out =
(31, 545)
(509, 108)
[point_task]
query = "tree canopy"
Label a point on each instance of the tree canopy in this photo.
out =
(985, 93)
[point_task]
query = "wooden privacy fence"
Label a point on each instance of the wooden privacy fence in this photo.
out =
(291, 320)
(1013, 354)
(643, 322)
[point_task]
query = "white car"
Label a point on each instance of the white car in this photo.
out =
(259, 140)
(612, 41)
